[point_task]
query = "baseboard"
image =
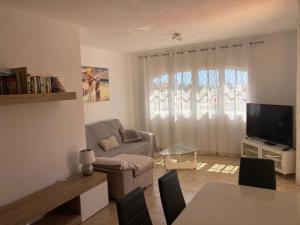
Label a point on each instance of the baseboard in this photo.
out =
(222, 154)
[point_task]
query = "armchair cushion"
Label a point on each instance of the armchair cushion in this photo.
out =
(112, 163)
(109, 143)
(125, 172)
(130, 135)
(104, 129)
(139, 163)
(146, 136)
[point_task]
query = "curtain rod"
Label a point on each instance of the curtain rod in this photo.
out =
(205, 49)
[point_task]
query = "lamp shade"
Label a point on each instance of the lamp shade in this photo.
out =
(86, 156)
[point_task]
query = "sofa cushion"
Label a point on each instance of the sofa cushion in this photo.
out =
(113, 127)
(109, 143)
(130, 135)
(137, 148)
(138, 162)
(104, 129)
(98, 130)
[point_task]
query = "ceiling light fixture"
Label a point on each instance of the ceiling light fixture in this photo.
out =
(177, 36)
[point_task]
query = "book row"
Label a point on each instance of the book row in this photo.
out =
(18, 83)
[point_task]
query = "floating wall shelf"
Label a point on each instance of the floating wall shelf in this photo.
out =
(33, 98)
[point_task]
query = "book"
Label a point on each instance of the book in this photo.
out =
(17, 81)
(48, 84)
(38, 79)
(13, 85)
(32, 86)
(35, 85)
(43, 84)
(7, 83)
(21, 80)
(29, 84)
(57, 85)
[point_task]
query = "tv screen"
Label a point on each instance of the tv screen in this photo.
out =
(273, 123)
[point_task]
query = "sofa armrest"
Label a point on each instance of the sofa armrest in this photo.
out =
(112, 164)
(146, 136)
(107, 169)
(149, 137)
(120, 182)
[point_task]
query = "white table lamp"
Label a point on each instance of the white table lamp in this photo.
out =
(87, 157)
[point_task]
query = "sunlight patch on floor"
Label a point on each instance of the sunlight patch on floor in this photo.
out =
(200, 165)
(230, 169)
(222, 168)
(159, 162)
(216, 168)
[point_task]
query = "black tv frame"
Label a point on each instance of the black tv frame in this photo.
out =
(271, 141)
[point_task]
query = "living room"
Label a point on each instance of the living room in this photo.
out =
(182, 77)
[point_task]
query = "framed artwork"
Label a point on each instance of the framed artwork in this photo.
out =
(95, 84)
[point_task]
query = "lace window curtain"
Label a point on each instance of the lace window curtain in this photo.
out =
(198, 98)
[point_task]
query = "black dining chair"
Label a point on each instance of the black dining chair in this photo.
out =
(171, 196)
(132, 209)
(257, 173)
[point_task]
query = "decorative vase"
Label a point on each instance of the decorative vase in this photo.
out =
(87, 169)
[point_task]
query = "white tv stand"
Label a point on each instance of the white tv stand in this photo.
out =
(284, 160)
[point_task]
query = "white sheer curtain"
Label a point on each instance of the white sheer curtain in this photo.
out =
(197, 97)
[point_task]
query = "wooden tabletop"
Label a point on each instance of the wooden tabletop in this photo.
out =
(228, 204)
(24, 210)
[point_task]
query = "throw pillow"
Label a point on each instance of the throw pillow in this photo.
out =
(109, 143)
(129, 135)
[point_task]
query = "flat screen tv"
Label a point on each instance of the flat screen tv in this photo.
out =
(273, 123)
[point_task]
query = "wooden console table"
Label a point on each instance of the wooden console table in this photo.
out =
(58, 204)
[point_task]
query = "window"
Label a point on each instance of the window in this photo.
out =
(215, 91)
(183, 94)
(159, 100)
(235, 93)
(207, 92)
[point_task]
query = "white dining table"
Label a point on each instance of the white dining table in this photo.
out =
(229, 204)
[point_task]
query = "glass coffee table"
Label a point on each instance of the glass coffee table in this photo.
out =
(179, 149)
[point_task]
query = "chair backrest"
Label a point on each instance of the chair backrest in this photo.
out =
(132, 209)
(171, 196)
(257, 173)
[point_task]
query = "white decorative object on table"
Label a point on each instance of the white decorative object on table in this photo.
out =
(87, 157)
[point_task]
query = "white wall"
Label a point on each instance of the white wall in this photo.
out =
(39, 143)
(273, 69)
(120, 103)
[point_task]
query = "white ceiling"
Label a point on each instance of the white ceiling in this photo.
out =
(140, 25)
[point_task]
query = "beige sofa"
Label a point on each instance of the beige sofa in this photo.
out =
(103, 129)
(125, 173)
(127, 166)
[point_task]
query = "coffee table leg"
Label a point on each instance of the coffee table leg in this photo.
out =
(168, 162)
(195, 159)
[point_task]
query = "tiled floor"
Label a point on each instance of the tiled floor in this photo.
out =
(210, 168)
